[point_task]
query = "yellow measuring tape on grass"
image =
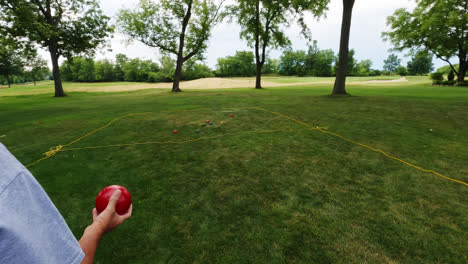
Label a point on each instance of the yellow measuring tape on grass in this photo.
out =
(53, 151)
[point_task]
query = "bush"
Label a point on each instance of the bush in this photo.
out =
(402, 71)
(437, 76)
(465, 83)
(451, 76)
(448, 83)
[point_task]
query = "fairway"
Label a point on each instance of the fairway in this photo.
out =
(258, 187)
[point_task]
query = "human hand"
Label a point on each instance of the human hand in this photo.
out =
(108, 219)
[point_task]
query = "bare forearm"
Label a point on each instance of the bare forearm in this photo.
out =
(90, 241)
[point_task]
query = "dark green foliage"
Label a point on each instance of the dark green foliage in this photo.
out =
(401, 70)
(420, 64)
(448, 83)
(64, 27)
(193, 70)
(263, 21)
(293, 63)
(240, 65)
(80, 69)
(271, 66)
(363, 68)
(104, 71)
(177, 27)
(451, 76)
(351, 63)
(434, 25)
(12, 58)
(391, 63)
(437, 78)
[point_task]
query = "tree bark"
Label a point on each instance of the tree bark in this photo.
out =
(462, 71)
(258, 78)
(56, 71)
(258, 72)
(177, 75)
(340, 81)
(180, 53)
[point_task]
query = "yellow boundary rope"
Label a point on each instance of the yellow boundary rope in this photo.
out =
(53, 151)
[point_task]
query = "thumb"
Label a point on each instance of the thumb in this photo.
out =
(113, 200)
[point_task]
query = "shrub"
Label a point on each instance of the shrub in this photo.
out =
(437, 76)
(465, 83)
(451, 76)
(448, 83)
(402, 71)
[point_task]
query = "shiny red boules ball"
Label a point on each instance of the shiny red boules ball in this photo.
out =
(123, 204)
(207, 121)
(175, 131)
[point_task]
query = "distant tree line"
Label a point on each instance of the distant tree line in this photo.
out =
(313, 62)
(79, 69)
(420, 64)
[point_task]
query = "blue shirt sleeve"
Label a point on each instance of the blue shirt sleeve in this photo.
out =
(32, 231)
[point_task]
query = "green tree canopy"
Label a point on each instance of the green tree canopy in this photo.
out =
(240, 65)
(12, 59)
(64, 27)
(421, 63)
(391, 63)
(439, 26)
(178, 27)
(262, 23)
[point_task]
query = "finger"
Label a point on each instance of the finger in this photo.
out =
(128, 213)
(95, 213)
(113, 200)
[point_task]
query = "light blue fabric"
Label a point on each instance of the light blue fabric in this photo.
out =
(32, 231)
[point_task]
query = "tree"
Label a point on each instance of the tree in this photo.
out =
(104, 71)
(293, 63)
(38, 68)
(261, 22)
(350, 65)
(363, 68)
(271, 66)
(320, 62)
(65, 27)
(240, 65)
(179, 27)
(391, 63)
(340, 82)
(11, 57)
(120, 61)
(439, 26)
(401, 70)
(194, 70)
(420, 64)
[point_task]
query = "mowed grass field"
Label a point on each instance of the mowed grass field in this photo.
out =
(258, 188)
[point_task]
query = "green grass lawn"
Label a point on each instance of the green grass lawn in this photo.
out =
(248, 195)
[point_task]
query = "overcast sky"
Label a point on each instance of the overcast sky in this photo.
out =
(369, 20)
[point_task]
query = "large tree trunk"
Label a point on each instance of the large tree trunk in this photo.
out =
(462, 71)
(258, 78)
(258, 71)
(177, 75)
(180, 53)
(340, 81)
(56, 71)
(8, 81)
